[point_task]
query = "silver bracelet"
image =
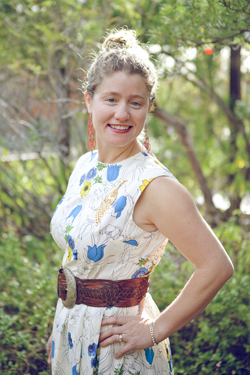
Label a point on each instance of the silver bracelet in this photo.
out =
(152, 332)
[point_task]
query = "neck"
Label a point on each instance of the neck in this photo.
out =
(112, 156)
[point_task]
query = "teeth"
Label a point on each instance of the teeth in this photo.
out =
(119, 127)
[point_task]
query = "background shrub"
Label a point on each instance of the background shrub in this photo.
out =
(27, 303)
(216, 342)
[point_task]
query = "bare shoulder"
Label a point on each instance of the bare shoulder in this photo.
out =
(167, 185)
(169, 207)
(167, 194)
(159, 202)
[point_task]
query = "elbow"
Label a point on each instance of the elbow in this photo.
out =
(228, 270)
(224, 269)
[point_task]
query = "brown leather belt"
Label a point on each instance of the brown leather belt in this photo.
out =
(99, 292)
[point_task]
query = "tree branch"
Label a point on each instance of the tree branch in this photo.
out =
(237, 123)
(216, 40)
(187, 142)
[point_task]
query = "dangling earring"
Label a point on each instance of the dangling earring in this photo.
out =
(146, 143)
(91, 132)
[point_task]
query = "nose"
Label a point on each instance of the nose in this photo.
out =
(122, 112)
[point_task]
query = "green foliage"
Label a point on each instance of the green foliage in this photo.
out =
(217, 341)
(30, 191)
(47, 40)
(37, 29)
(27, 302)
(197, 22)
(42, 43)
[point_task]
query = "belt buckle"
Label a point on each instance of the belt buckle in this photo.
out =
(71, 289)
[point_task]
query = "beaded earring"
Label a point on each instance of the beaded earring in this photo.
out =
(146, 143)
(91, 132)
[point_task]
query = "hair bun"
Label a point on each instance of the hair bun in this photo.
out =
(119, 39)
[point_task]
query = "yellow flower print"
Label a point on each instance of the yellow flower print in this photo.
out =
(158, 163)
(145, 183)
(86, 188)
(151, 267)
(167, 350)
(69, 254)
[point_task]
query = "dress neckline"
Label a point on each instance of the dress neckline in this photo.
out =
(124, 161)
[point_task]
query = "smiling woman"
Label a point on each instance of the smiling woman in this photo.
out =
(119, 210)
(119, 115)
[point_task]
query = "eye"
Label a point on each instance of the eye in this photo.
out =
(136, 104)
(111, 100)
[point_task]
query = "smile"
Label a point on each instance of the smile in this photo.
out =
(118, 127)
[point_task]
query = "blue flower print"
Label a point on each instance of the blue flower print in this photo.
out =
(95, 253)
(113, 172)
(170, 367)
(58, 205)
(91, 174)
(74, 371)
(71, 242)
(119, 205)
(149, 355)
(94, 154)
(144, 153)
(131, 242)
(70, 340)
(53, 349)
(140, 273)
(169, 355)
(75, 212)
(82, 179)
(93, 362)
(75, 254)
(92, 349)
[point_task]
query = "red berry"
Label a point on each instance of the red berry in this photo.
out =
(209, 51)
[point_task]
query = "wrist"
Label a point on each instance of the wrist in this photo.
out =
(152, 332)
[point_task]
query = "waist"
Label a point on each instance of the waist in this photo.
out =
(100, 292)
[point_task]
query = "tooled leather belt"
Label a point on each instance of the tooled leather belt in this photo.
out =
(99, 292)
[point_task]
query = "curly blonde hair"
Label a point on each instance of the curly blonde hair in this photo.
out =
(121, 51)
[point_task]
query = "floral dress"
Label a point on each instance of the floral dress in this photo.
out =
(93, 224)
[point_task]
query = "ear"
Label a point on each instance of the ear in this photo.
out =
(88, 102)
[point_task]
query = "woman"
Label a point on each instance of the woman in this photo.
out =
(120, 208)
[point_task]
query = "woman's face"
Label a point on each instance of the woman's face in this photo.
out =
(119, 108)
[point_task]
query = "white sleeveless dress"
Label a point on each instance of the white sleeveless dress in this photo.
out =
(93, 224)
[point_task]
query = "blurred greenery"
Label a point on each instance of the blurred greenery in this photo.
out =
(27, 302)
(46, 47)
(216, 342)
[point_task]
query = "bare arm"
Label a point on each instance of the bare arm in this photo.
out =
(166, 205)
(174, 213)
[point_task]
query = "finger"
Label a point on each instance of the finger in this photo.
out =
(110, 332)
(48, 348)
(49, 360)
(49, 352)
(124, 350)
(109, 341)
(117, 320)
